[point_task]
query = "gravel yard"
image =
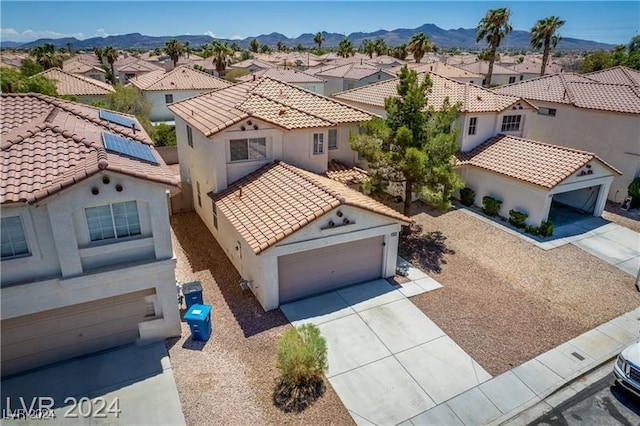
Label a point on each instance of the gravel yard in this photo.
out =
(630, 219)
(230, 380)
(504, 300)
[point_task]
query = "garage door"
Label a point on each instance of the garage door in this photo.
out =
(314, 271)
(38, 339)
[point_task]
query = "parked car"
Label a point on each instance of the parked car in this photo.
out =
(627, 369)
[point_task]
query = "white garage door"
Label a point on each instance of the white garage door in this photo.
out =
(314, 271)
(46, 337)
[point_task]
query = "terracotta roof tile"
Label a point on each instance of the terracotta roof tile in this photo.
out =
(273, 202)
(352, 71)
(76, 85)
(183, 77)
(482, 67)
(287, 75)
(617, 75)
(473, 98)
(440, 68)
(530, 161)
(344, 174)
(280, 103)
(49, 144)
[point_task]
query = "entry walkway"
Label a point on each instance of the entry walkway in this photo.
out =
(388, 362)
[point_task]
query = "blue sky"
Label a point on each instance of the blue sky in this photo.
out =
(606, 21)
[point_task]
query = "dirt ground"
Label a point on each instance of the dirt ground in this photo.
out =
(630, 219)
(506, 301)
(230, 380)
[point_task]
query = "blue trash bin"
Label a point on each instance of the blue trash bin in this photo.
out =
(192, 293)
(199, 319)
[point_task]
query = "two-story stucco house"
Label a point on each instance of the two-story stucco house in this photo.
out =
(253, 154)
(130, 67)
(162, 88)
(349, 76)
(84, 89)
(499, 76)
(444, 70)
(290, 75)
(86, 65)
(87, 261)
(597, 112)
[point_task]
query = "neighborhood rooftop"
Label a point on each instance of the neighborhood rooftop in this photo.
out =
(276, 102)
(275, 201)
(581, 91)
(473, 98)
(76, 85)
(440, 68)
(287, 75)
(352, 71)
(49, 144)
(531, 161)
(617, 75)
(183, 77)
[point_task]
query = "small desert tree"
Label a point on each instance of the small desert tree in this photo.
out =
(414, 145)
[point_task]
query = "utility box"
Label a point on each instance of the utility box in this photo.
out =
(192, 293)
(199, 319)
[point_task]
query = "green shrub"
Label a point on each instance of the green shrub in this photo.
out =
(634, 191)
(467, 196)
(165, 135)
(546, 228)
(490, 205)
(517, 218)
(302, 355)
(531, 229)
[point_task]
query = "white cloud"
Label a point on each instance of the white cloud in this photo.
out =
(233, 37)
(29, 35)
(100, 32)
(210, 34)
(236, 37)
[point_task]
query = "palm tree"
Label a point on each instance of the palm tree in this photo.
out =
(207, 50)
(221, 56)
(318, 39)
(300, 47)
(174, 49)
(111, 55)
(47, 56)
(254, 45)
(380, 47)
(400, 52)
(544, 35)
(69, 48)
(493, 27)
(419, 45)
(369, 47)
(99, 53)
(187, 49)
(345, 48)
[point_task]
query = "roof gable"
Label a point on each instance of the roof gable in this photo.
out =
(76, 85)
(184, 77)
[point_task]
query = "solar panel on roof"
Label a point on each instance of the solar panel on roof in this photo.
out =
(118, 119)
(128, 147)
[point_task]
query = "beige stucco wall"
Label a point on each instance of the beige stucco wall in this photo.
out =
(615, 137)
(159, 110)
(66, 268)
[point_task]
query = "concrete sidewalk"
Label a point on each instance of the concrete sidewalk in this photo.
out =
(503, 397)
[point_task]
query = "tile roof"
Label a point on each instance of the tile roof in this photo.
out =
(527, 160)
(248, 62)
(183, 77)
(287, 75)
(276, 102)
(527, 67)
(440, 68)
(581, 91)
(85, 58)
(136, 65)
(76, 85)
(482, 67)
(49, 144)
(344, 174)
(616, 75)
(473, 98)
(278, 199)
(353, 71)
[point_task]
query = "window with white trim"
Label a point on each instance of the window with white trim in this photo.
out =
(168, 98)
(512, 80)
(318, 143)
(189, 136)
(551, 112)
(199, 196)
(13, 238)
(333, 139)
(473, 125)
(248, 149)
(113, 221)
(511, 123)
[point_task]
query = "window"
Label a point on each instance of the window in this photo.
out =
(113, 221)
(318, 143)
(512, 80)
(511, 123)
(128, 76)
(168, 98)
(12, 238)
(215, 216)
(189, 136)
(248, 149)
(473, 124)
(333, 139)
(521, 77)
(198, 190)
(551, 112)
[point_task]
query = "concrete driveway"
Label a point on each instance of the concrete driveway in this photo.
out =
(388, 362)
(136, 381)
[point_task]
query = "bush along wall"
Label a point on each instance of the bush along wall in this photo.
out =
(633, 190)
(517, 218)
(546, 228)
(467, 196)
(490, 205)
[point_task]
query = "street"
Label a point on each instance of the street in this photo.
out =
(600, 404)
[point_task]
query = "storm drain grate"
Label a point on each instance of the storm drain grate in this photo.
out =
(577, 355)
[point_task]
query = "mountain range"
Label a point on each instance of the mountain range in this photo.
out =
(464, 38)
